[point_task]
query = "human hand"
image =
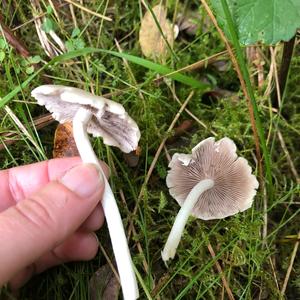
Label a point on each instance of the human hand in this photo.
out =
(48, 212)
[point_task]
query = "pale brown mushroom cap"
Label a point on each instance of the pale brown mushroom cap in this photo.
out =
(110, 120)
(234, 185)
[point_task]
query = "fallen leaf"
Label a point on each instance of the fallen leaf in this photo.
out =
(64, 143)
(132, 158)
(104, 285)
(180, 130)
(151, 40)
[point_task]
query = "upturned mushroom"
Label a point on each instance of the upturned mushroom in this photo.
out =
(211, 183)
(108, 119)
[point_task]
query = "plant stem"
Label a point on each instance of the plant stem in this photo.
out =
(110, 208)
(182, 217)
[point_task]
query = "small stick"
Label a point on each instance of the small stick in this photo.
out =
(197, 65)
(289, 270)
(37, 16)
(274, 273)
(191, 114)
(13, 40)
(109, 262)
(88, 10)
(288, 157)
(287, 54)
(23, 129)
(38, 123)
(219, 268)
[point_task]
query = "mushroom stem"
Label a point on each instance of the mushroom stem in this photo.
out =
(110, 208)
(182, 217)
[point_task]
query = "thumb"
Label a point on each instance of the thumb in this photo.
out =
(41, 222)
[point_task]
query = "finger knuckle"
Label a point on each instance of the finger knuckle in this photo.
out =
(36, 212)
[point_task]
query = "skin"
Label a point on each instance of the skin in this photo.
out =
(48, 214)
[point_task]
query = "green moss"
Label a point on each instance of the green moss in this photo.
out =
(237, 241)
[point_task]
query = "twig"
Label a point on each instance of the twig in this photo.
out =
(280, 137)
(274, 273)
(287, 55)
(109, 262)
(88, 10)
(289, 270)
(157, 154)
(167, 153)
(37, 16)
(38, 123)
(277, 84)
(13, 40)
(272, 74)
(288, 157)
(219, 268)
(191, 114)
(22, 128)
(197, 65)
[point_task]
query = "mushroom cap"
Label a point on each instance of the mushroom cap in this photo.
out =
(110, 120)
(234, 185)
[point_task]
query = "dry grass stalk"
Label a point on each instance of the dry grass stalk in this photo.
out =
(219, 268)
(289, 270)
(83, 8)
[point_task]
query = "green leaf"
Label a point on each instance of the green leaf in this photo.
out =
(267, 21)
(49, 10)
(2, 55)
(34, 59)
(29, 70)
(75, 32)
(3, 43)
(162, 202)
(75, 44)
(48, 25)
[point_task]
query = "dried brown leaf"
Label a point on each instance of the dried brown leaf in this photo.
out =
(132, 158)
(151, 40)
(104, 285)
(64, 143)
(180, 130)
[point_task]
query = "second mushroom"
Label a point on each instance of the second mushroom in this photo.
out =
(211, 183)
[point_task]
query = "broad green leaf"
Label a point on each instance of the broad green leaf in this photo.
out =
(266, 21)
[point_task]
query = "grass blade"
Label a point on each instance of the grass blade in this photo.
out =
(134, 59)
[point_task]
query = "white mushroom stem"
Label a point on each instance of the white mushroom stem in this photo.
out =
(182, 217)
(110, 208)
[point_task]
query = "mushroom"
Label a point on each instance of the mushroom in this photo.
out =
(108, 119)
(211, 183)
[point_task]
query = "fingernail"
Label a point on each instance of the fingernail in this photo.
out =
(84, 180)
